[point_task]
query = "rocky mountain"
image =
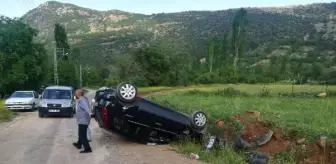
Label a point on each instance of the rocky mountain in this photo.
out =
(102, 34)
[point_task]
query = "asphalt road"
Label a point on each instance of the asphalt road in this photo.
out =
(29, 139)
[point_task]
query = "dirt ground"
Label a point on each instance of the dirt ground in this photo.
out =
(29, 139)
(307, 153)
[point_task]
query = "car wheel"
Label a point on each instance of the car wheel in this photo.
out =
(40, 114)
(198, 119)
(71, 115)
(33, 107)
(126, 92)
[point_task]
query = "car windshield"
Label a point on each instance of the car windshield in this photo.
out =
(56, 94)
(19, 94)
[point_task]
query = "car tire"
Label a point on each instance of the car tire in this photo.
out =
(126, 92)
(198, 119)
(71, 115)
(33, 108)
(40, 115)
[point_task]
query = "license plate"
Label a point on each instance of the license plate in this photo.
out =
(54, 110)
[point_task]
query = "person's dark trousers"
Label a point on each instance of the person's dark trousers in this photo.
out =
(82, 138)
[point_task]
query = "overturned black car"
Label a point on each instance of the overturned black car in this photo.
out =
(121, 110)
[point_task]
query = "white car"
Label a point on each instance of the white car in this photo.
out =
(22, 100)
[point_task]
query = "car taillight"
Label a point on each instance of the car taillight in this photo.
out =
(105, 117)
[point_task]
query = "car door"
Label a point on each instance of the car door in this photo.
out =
(97, 108)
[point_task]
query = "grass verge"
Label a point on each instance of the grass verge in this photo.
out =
(5, 115)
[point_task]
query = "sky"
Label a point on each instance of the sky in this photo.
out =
(17, 8)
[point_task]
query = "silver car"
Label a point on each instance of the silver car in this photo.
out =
(22, 100)
(57, 100)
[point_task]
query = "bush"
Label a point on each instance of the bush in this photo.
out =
(231, 92)
(264, 92)
(5, 115)
(111, 81)
(228, 92)
(140, 81)
(208, 78)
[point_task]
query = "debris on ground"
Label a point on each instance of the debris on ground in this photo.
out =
(219, 124)
(194, 156)
(321, 142)
(210, 143)
(322, 95)
(300, 140)
(262, 140)
(151, 144)
(242, 144)
(258, 158)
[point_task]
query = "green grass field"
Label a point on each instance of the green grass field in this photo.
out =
(273, 88)
(5, 115)
(307, 117)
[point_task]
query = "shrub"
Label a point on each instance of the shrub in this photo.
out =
(231, 92)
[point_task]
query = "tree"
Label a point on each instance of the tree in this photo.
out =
(224, 51)
(61, 38)
(316, 71)
(91, 77)
(211, 55)
(67, 72)
(22, 60)
(238, 35)
(181, 64)
(154, 64)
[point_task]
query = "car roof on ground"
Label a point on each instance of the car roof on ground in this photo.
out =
(59, 87)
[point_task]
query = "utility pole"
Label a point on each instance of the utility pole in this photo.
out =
(56, 60)
(55, 67)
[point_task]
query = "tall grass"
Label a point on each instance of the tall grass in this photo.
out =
(5, 115)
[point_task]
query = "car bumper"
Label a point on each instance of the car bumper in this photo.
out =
(19, 106)
(55, 111)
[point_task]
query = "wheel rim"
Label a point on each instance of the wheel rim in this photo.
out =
(127, 91)
(200, 119)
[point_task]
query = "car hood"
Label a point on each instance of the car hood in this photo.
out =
(56, 101)
(18, 100)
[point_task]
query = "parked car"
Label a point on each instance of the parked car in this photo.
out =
(22, 100)
(57, 100)
(121, 110)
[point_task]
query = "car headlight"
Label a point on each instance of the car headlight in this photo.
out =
(43, 104)
(66, 104)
